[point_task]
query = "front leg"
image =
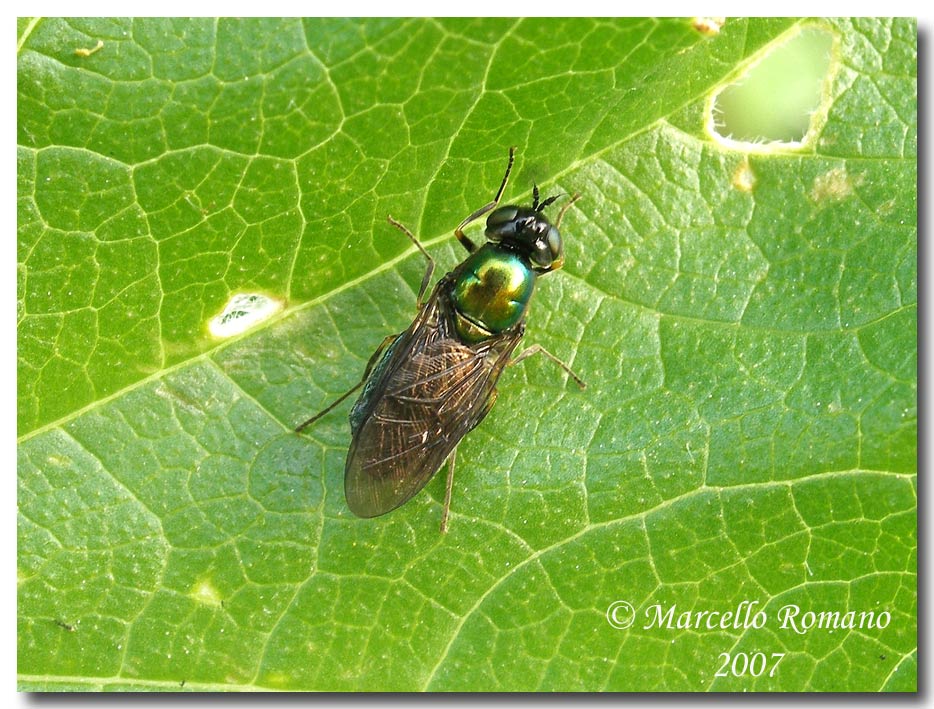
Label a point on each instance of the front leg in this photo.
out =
(459, 232)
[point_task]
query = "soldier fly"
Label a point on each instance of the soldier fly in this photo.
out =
(426, 388)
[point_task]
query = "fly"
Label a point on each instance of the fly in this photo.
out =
(427, 387)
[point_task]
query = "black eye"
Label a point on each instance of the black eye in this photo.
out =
(554, 243)
(541, 255)
(548, 252)
(501, 216)
(501, 224)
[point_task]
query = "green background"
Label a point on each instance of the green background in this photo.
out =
(749, 430)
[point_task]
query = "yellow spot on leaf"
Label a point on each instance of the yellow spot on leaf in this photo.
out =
(204, 592)
(277, 679)
(81, 52)
(744, 179)
(833, 186)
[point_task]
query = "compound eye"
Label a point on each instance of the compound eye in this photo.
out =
(541, 256)
(501, 216)
(501, 223)
(554, 244)
(547, 251)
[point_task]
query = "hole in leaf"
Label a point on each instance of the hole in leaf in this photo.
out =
(709, 26)
(779, 96)
(243, 311)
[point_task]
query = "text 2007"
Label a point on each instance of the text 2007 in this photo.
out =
(744, 664)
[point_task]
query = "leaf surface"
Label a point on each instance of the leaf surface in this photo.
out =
(749, 432)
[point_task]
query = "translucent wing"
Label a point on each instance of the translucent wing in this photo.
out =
(430, 391)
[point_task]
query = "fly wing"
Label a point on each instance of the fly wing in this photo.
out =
(432, 392)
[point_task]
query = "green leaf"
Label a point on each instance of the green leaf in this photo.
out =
(745, 319)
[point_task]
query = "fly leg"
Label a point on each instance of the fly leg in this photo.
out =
(459, 232)
(449, 486)
(426, 279)
(565, 208)
(369, 367)
(447, 491)
(538, 349)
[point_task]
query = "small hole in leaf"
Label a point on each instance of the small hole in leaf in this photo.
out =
(243, 311)
(709, 26)
(779, 96)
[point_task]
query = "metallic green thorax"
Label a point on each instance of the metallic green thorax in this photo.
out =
(491, 290)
